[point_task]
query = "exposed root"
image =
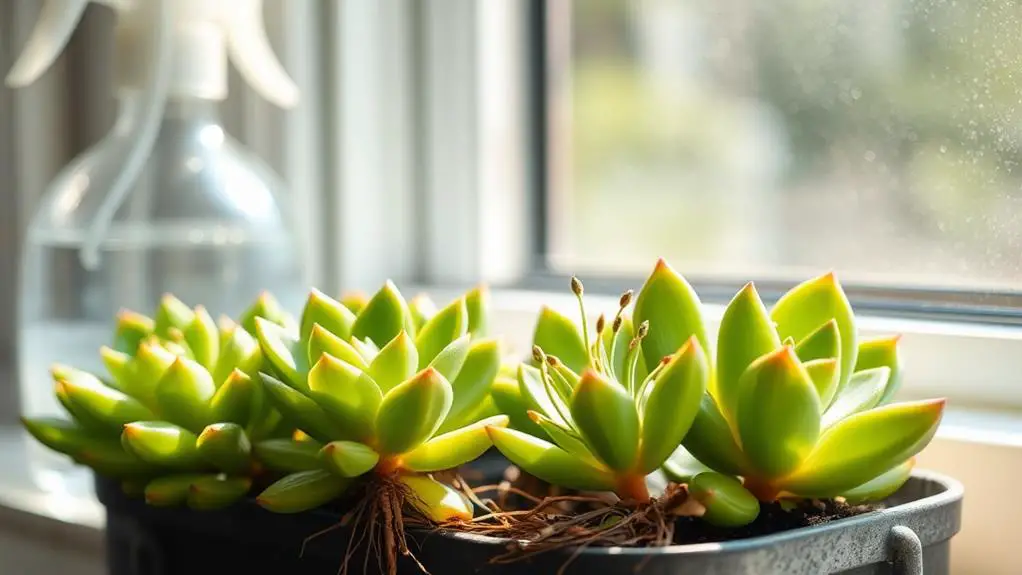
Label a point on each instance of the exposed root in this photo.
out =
(377, 526)
(577, 522)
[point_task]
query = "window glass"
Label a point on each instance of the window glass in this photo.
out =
(750, 139)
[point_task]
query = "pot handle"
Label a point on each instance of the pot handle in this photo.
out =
(906, 551)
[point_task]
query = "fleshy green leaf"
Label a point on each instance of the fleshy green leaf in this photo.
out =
(103, 405)
(453, 448)
(535, 394)
(507, 396)
(682, 466)
(825, 374)
(435, 500)
(549, 462)
(823, 343)
(564, 438)
(226, 447)
(864, 390)
(673, 311)
(132, 329)
(112, 460)
(348, 458)
(216, 492)
(422, 308)
(183, 395)
(240, 350)
(882, 486)
(283, 350)
(119, 366)
(557, 335)
(451, 359)
(233, 401)
(477, 303)
(348, 394)
(301, 411)
(865, 445)
(171, 314)
(366, 348)
(169, 490)
(288, 455)
(672, 405)
(778, 413)
(412, 411)
(322, 341)
(151, 363)
(354, 300)
(606, 416)
(302, 491)
(473, 381)
(882, 352)
(384, 316)
(203, 338)
(710, 440)
(449, 324)
(61, 435)
(162, 443)
(327, 312)
(396, 362)
(746, 333)
(812, 303)
(727, 502)
(267, 307)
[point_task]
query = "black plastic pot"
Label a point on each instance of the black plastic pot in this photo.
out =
(913, 532)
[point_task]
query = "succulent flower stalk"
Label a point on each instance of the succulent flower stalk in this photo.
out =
(178, 409)
(389, 391)
(605, 420)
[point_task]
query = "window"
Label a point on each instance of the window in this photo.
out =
(774, 140)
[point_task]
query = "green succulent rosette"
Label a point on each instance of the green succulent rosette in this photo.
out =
(175, 415)
(380, 387)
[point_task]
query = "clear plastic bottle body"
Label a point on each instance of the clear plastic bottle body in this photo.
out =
(206, 221)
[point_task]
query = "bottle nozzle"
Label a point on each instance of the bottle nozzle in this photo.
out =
(57, 21)
(250, 50)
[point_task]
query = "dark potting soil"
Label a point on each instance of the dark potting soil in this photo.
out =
(772, 519)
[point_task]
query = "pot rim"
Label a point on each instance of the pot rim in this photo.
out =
(952, 493)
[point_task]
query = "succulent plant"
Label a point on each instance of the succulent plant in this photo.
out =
(391, 390)
(178, 409)
(797, 406)
(607, 421)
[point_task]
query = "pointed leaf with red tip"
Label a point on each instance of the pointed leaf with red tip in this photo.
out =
(864, 446)
(383, 317)
(348, 394)
(882, 352)
(809, 305)
(549, 462)
(99, 403)
(232, 403)
(162, 443)
(396, 362)
(447, 326)
(557, 335)
(672, 405)
(348, 458)
(284, 351)
(453, 448)
(323, 341)
(746, 333)
(327, 312)
(778, 413)
(673, 311)
(226, 447)
(132, 329)
(477, 302)
(172, 314)
(605, 415)
(825, 374)
(412, 411)
(296, 408)
(183, 395)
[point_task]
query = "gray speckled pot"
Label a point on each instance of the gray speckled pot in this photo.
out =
(911, 534)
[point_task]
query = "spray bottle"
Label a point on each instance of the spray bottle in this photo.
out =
(166, 202)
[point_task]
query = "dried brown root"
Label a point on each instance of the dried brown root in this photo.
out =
(377, 523)
(576, 522)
